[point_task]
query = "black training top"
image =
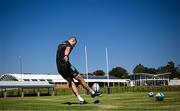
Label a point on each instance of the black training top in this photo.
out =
(61, 49)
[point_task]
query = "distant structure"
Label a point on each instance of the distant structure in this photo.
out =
(61, 82)
(138, 79)
(144, 79)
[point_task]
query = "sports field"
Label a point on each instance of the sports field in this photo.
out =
(122, 101)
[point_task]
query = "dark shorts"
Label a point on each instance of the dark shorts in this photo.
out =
(67, 70)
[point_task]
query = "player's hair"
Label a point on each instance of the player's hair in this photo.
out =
(72, 37)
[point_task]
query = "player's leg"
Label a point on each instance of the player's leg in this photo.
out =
(77, 76)
(64, 70)
(75, 90)
(81, 80)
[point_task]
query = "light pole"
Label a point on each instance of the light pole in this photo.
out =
(107, 66)
(107, 71)
(86, 63)
(20, 65)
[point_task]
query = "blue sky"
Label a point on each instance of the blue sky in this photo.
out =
(134, 31)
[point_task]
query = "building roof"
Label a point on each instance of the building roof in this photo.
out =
(99, 77)
(147, 74)
(25, 84)
(55, 78)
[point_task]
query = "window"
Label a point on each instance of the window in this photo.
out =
(26, 80)
(34, 79)
(42, 80)
(49, 79)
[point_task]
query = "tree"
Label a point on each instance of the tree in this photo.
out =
(151, 71)
(90, 74)
(178, 71)
(99, 73)
(119, 72)
(84, 74)
(139, 69)
(178, 68)
(169, 68)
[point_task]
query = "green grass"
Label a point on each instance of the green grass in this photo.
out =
(126, 101)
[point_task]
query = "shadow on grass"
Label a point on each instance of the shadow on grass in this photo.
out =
(70, 103)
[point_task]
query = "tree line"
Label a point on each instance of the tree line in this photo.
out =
(121, 72)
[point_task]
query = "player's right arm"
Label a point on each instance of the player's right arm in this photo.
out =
(66, 53)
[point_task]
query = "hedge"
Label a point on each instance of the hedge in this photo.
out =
(68, 91)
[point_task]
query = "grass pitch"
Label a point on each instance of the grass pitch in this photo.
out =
(127, 101)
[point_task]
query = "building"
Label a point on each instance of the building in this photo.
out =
(174, 82)
(144, 79)
(61, 82)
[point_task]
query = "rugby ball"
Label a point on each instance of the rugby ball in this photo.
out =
(96, 87)
(159, 96)
(151, 94)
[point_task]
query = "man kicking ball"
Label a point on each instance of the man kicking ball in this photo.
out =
(68, 71)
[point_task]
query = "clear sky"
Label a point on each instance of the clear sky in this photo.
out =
(134, 31)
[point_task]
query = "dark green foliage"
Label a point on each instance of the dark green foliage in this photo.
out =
(99, 73)
(169, 68)
(119, 72)
(139, 69)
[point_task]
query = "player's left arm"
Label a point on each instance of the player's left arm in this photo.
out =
(66, 54)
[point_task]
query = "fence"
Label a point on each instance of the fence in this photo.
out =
(141, 89)
(59, 92)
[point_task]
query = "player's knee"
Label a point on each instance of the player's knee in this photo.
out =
(69, 84)
(81, 80)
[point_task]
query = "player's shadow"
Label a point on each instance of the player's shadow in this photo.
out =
(70, 103)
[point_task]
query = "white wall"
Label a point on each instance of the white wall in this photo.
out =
(174, 82)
